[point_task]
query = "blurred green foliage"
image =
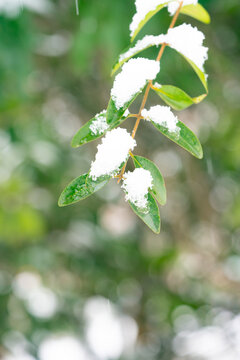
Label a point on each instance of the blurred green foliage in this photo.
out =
(55, 75)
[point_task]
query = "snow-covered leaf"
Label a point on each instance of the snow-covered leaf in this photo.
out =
(136, 185)
(112, 153)
(165, 121)
(80, 188)
(136, 26)
(94, 129)
(158, 188)
(197, 12)
(185, 39)
(188, 41)
(151, 216)
(175, 97)
(131, 80)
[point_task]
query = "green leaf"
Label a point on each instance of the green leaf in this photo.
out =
(85, 135)
(115, 115)
(177, 98)
(200, 73)
(147, 18)
(80, 188)
(184, 138)
(158, 189)
(151, 216)
(197, 12)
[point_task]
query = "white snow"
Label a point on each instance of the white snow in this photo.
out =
(162, 115)
(185, 38)
(143, 7)
(136, 185)
(112, 152)
(133, 77)
(147, 41)
(157, 85)
(188, 40)
(99, 125)
(173, 6)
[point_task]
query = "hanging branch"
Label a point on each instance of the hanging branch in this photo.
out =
(144, 186)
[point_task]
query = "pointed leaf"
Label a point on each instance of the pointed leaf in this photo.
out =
(197, 12)
(85, 135)
(184, 138)
(158, 189)
(151, 216)
(176, 98)
(80, 188)
(147, 18)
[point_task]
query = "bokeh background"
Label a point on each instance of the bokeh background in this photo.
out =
(90, 281)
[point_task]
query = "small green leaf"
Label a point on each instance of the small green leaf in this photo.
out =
(147, 18)
(115, 115)
(158, 189)
(184, 138)
(197, 12)
(85, 135)
(80, 188)
(177, 98)
(151, 216)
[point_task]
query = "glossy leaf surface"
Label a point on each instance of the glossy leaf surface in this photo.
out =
(80, 188)
(197, 12)
(177, 98)
(184, 137)
(151, 217)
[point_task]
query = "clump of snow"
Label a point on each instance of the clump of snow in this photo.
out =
(188, 40)
(173, 6)
(147, 41)
(143, 7)
(136, 185)
(157, 85)
(99, 125)
(133, 77)
(162, 115)
(112, 152)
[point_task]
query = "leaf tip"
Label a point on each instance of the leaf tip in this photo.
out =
(74, 144)
(157, 232)
(60, 201)
(200, 155)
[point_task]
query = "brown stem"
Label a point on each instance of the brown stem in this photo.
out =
(133, 115)
(145, 97)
